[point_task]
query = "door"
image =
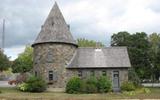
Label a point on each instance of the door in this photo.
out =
(116, 86)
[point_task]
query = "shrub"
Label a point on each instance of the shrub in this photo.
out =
(91, 85)
(23, 87)
(104, 84)
(35, 84)
(133, 77)
(74, 85)
(128, 86)
(22, 77)
(90, 88)
(146, 90)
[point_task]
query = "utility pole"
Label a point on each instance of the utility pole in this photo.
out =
(3, 35)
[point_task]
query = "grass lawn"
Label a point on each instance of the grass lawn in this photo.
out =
(13, 94)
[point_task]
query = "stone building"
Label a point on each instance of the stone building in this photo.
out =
(57, 56)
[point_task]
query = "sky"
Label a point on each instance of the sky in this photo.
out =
(90, 19)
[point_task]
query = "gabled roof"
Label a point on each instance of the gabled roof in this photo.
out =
(110, 57)
(55, 29)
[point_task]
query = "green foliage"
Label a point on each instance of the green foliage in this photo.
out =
(4, 61)
(133, 77)
(129, 93)
(139, 51)
(104, 84)
(154, 52)
(23, 87)
(90, 85)
(146, 90)
(82, 42)
(33, 84)
(127, 86)
(36, 84)
(24, 62)
(144, 52)
(120, 39)
(74, 85)
(137, 91)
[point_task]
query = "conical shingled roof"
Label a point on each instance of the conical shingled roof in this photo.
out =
(55, 29)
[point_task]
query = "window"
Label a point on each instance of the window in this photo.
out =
(36, 74)
(50, 75)
(92, 73)
(104, 73)
(80, 74)
(52, 23)
(49, 57)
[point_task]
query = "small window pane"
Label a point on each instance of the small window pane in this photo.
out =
(80, 74)
(52, 23)
(36, 74)
(104, 73)
(50, 75)
(92, 73)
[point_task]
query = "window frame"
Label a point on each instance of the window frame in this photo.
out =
(104, 73)
(92, 73)
(35, 73)
(50, 75)
(80, 74)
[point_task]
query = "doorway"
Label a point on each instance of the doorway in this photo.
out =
(116, 86)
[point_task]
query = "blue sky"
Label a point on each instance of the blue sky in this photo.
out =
(96, 20)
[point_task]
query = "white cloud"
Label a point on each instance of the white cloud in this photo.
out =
(96, 19)
(14, 51)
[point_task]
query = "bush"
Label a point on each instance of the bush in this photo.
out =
(74, 85)
(146, 90)
(128, 86)
(91, 85)
(33, 84)
(104, 84)
(133, 77)
(23, 87)
(36, 84)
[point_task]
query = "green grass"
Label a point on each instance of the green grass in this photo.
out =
(14, 94)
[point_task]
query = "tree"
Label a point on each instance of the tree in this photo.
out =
(4, 62)
(24, 62)
(154, 40)
(82, 42)
(120, 39)
(138, 49)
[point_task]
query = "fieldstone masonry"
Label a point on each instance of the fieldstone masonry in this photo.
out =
(57, 57)
(53, 57)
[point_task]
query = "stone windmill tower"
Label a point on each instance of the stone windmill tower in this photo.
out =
(53, 49)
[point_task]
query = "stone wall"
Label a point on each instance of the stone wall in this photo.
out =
(123, 73)
(53, 57)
